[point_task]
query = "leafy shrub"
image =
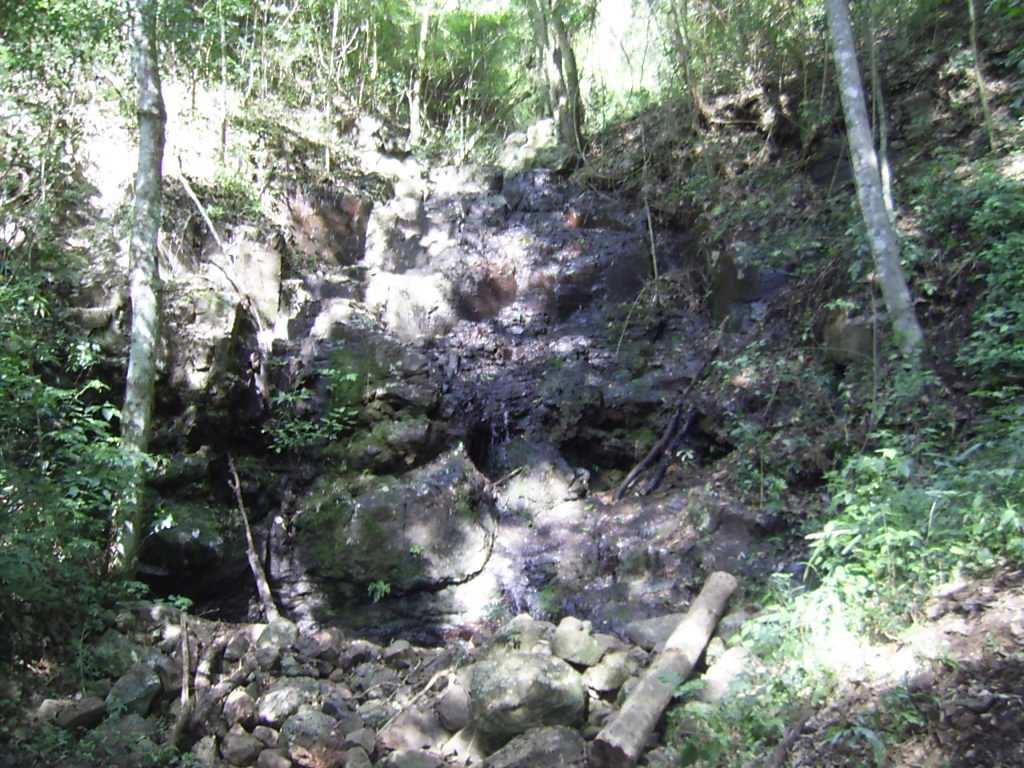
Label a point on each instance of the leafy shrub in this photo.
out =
(60, 467)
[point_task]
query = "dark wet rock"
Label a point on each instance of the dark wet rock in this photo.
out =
(196, 542)
(393, 445)
(550, 747)
(514, 692)
(135, 691)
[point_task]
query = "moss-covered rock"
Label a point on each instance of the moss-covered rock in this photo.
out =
(430, 528)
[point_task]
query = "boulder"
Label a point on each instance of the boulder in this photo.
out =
(283, 699)
(204, 751)
(267, 736)
(240, 708)
(87, 712)
(358, 758)
(274, 641)
(134, 691)
(426, 530)
(574, 642)
(453, 706)
(414, 728)
(127, 741)
(239, 747)
(313, 739)
(400, 654)
(548, 747)
(724, 672)
(273, 758)
(650, 634)
(613, 670)
(414, 307)
(366, 738)
(526, 633)
(115, 653)
(514, 692)
(411, 758)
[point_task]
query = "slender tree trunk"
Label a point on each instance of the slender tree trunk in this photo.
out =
(558, 71)
(881, 121)
(680, 41)
(144, 282)
(223, 84)
(882, 235)
(330, 86)
(571, 82)
(986, 110)
(416, 97)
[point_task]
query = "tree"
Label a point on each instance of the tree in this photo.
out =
(144, 280)
(416, 94)
(882, 236)
(558, 71)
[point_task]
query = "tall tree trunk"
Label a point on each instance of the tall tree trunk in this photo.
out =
(416, 97)
(881, 121)
(986, 110)
(678, 18)
(558, 72)
(573, 130)
(144, 283)
(882, 235)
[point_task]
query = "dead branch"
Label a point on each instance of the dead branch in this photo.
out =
(262, 585)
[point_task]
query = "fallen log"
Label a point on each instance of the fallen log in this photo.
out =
(620, 743)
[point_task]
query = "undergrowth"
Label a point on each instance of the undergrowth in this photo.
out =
(926, 485)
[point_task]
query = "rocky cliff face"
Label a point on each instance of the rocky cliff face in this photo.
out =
(429, 395)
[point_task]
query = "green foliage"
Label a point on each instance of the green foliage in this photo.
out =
(762, 702)
(296, 426)
(378, 590)
(60, 466)
(976, 212)
(901, 525)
